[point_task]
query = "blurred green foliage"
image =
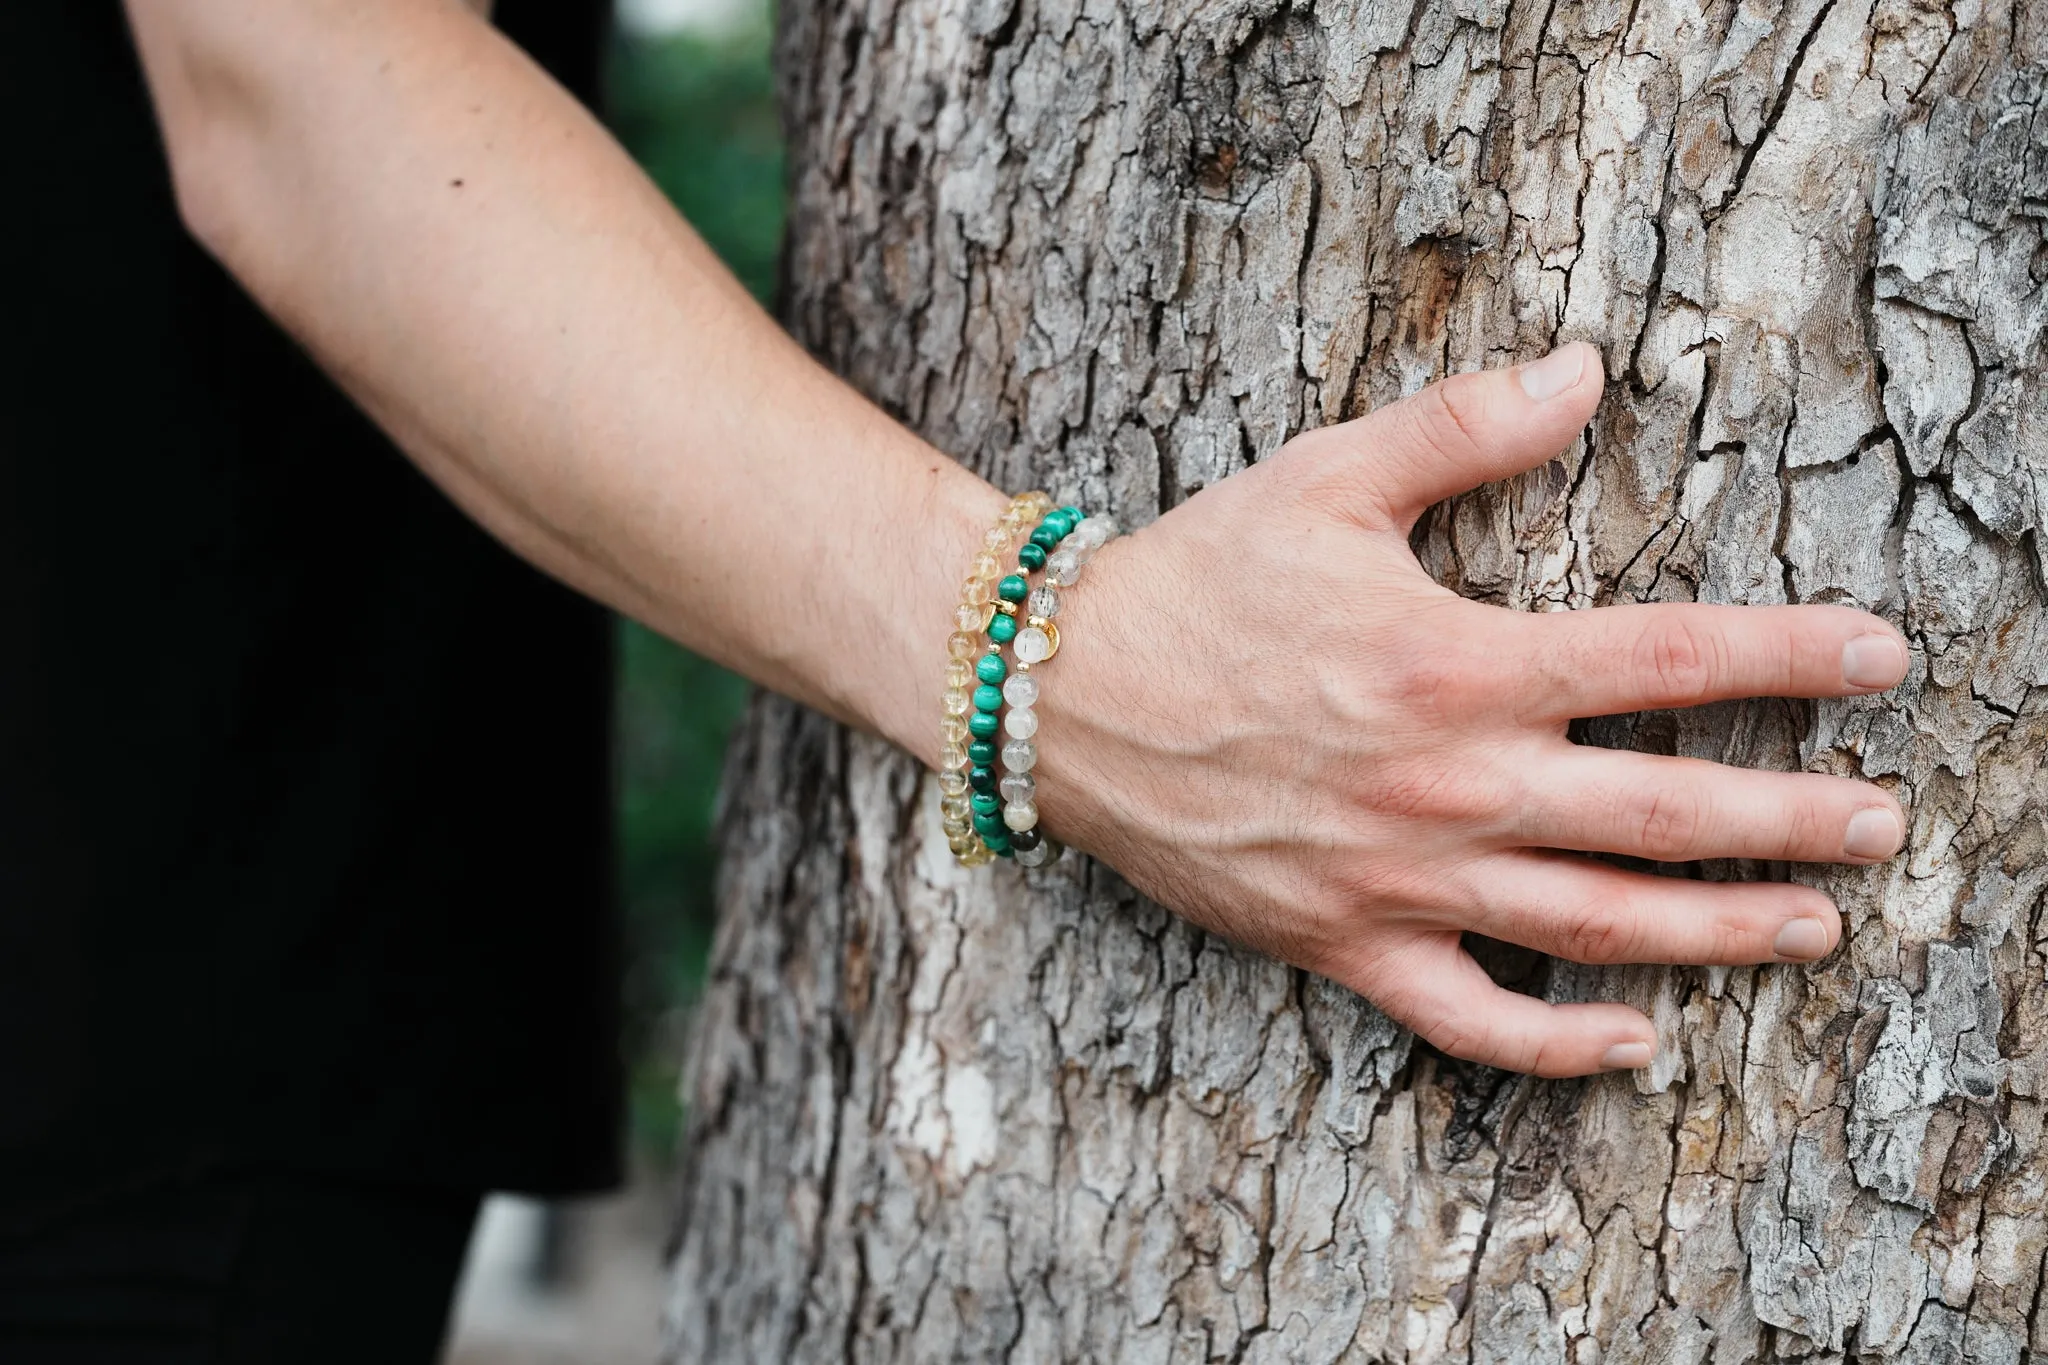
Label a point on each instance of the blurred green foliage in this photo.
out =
(699, 114)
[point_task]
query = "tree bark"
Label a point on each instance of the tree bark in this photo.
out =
(1121, 249)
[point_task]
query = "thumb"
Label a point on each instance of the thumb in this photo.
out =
(1475, 428)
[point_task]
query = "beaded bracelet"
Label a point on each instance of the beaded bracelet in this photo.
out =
(1005, 813)
(963, 739)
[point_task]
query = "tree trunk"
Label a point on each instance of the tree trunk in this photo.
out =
(1121, 249)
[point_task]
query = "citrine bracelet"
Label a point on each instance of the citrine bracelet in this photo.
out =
(1002, 814)
(967, 732)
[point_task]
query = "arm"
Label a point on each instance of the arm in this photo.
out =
(1269, 718)
(489, 275)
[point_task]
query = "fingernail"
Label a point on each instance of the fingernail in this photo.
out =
(1873, 833)
(1873, 660)
(1556, 372)
(1801, 940)
(1626, 1057)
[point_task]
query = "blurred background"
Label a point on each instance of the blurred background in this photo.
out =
(689, 93)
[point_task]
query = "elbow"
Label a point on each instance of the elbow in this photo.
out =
(202, 187)
(211, 107)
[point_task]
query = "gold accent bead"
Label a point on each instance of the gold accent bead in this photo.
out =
(1005, 607)
(1052, 635)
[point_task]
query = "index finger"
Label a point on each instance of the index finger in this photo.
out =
(1611, 660)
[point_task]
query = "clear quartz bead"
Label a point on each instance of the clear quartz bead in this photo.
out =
(1020, 816)
(1044, 602)
(1020, 689)
(1020, 755)
(1018, 788)
(953, 782)
(1032, 646)
(1046, 851)
(1062, 568)
(1020, 722)
(1080, 550)
(1095, 532)
(958, 701)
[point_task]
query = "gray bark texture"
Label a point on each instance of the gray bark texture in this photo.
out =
(1119, 250)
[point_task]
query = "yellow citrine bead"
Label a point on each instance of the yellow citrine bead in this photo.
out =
(962, 645)
(958, 701)
(954, 729)
(959, 673)
(972, 618)
(987, 566)
(953, 756)
(975, 591)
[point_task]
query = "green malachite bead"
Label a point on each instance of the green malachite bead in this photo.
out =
(1013, 588)
(986, 825)
(1031, 556)
(982, 779)
(987, 698)
(981, 752)
(985, 803)
(1074, 515)
(1002, 848)
(991, 669)
(1046, 537)
(1002, 629)
(983, 725)
(1057, 523)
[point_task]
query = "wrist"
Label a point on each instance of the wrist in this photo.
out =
(945, 516)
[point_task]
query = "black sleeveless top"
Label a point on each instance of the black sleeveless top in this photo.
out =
(304, 844)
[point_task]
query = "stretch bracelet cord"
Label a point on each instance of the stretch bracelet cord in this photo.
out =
(968, 734)
(1003, 811)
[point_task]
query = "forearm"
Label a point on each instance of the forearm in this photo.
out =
(488, 274)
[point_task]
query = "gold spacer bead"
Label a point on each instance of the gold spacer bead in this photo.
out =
(1006, 607)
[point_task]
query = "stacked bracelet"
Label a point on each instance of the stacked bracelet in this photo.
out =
(1003, 810)
(968, 741)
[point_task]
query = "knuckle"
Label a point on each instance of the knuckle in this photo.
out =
(1669, 823)
(1678, 660)
(1807, 830)
(1598, 933)
(1450, 413)
(1427, 791)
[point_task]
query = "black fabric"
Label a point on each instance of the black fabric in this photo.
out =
(303, 780)
(239, 1270)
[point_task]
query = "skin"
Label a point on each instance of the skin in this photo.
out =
(1265, 714)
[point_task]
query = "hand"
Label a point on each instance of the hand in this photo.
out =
(1269, 719)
